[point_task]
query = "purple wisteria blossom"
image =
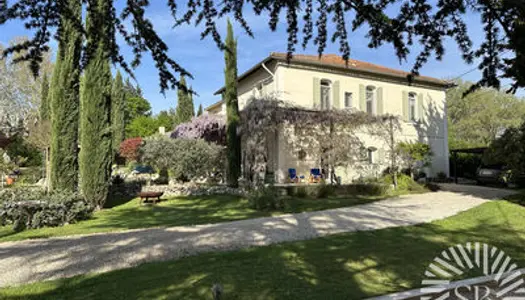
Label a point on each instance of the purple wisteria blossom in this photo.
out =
(211, 128)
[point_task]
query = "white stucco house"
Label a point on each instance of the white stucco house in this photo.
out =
(331, 82)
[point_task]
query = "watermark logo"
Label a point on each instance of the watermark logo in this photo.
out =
(503, 279)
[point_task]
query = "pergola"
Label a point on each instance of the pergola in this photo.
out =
(455, 152)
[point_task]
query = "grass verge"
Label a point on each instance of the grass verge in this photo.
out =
(177, 212)
(347, 266)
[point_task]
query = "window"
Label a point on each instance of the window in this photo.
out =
(348, 100)
(370, 99)
(412, 106)
(301, 154)
(326, 90)
(371, 155)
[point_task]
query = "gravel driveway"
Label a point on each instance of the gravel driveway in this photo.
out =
(45, 259)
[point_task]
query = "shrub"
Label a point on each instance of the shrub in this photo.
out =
(35, 209)
(159, 152)
(404, 183)
(19, 147)
(301, 192)
(441, 176)
(415, 155)
(18, 193)
(129, 148)
(371, 189)
(432, 187)
(265, 197)
(325, 190)
(187, 159)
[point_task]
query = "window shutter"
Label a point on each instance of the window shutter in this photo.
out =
(362, 100)
(380, 156)
(317, 93)
(405, 106)
(421, 108)
(335, 95)
(379, 104)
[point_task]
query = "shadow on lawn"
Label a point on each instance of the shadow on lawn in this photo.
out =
(210, 209)
(347, 266)
(183, 211)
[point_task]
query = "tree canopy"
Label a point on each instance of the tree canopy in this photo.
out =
(185, 109)
(477, 119)
(399, 23)
(136, 107)
(20, 93)
(118, 110)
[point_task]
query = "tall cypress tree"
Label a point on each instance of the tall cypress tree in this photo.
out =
(45, 110)
(191, 105)
(232, 109)
(95, 117)
(118, 105)
(65, 101)
(185, 109)
(200, 110)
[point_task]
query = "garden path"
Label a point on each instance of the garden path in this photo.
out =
(46, 259)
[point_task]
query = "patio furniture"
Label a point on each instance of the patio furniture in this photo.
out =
(315, 175)
(147, 195)
(292, 173)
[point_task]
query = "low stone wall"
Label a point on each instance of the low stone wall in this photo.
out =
(191, 189)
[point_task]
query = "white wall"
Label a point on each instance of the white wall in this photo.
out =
(295, 84)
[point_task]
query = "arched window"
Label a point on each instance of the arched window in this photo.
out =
(412, 106)
(370, 99)
(326, 92)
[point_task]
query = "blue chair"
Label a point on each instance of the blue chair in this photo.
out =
(292, 173)
(315, 175)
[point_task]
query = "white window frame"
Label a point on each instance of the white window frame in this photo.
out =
(412, 107)
(326, 103)
(371, 97)
(349, 104)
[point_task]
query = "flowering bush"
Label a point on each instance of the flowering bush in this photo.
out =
(211, 128)
(129, 148)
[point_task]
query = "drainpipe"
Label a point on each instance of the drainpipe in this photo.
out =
(271, 74)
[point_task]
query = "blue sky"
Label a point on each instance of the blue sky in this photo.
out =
(205, 61)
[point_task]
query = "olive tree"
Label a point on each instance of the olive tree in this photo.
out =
(186, 159)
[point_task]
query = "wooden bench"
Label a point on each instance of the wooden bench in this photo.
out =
(147, 195)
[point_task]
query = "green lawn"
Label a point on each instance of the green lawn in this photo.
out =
(347, 266)
(178, 211)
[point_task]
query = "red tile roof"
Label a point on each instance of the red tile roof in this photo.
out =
(334, 60)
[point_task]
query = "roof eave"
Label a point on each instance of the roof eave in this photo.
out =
(247, 73)
(417, 79)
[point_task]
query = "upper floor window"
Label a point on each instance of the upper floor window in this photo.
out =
(348, 100)
(326, 91)
(412, 106)
(370, 99)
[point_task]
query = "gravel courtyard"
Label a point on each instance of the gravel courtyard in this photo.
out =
(45, 259)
